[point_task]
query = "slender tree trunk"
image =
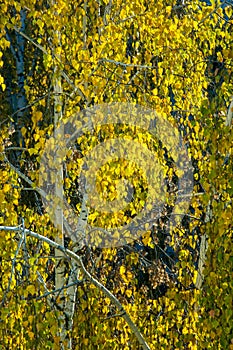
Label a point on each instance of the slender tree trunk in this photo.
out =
(67, 301)
(75, 268)
(58, 212)
(59, 278)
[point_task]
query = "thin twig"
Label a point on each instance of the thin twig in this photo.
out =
(211, 13)
(126, 64)
(58, 290)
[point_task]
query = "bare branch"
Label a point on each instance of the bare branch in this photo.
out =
(48, 293)
(94, 281)
(126, 64)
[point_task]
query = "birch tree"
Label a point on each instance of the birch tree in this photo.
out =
(63, 60)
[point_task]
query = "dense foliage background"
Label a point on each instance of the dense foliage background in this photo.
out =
(58, 58)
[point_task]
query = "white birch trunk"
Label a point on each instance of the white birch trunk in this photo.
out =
(60, 266)
(67, 301)
(58, 192)
(82, 222)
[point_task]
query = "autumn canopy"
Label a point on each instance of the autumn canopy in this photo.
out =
(116, 177)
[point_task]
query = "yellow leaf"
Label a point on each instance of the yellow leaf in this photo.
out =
(146, 240)
(195, 273)
(31, 335)
(122, 288)
(85, 341)
(128, 292)
(30, 319)
(23, 131)
(25, 324)
(36, 117)
(36, 137)
(129, 276)
(122, 270)
(31, 289)
(15, 201)
(6, 187)
(31, 151)
(17, 6)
